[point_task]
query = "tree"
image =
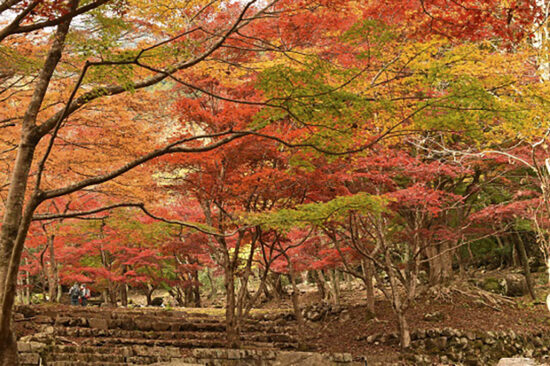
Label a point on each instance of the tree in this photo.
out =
(326, 53)
(206, 32)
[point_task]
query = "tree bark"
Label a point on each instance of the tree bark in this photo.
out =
(296, 305)
(369, 277)
(124, 295)
(149, 294)
(231, 321)
(213, 289)
(320, 284)
(404, 331)
(334, 286)
(196, 290)
(526, 268)
(53, 277)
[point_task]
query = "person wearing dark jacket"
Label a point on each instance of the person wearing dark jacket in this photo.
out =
(74, 294)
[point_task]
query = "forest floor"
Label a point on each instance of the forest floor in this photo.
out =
(459, 312)
(458, 305)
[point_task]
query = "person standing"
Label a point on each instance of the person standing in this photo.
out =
(84, 295)
(74, 294)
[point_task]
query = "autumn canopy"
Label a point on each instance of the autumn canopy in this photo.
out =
(151, 145)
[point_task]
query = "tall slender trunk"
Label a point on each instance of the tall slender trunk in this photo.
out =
(213, 289)
(369, 283)
(231, 321)
(124, 289)
(525, 263)
(196, 290)
(404, 331)
(434, 264)
(149, 294)
(296, 305)
(397, 304)
(15, 223)
(12, 238)
(334, 286)
(28, 292)
(124, 294)
(319, 283)
(53, 277)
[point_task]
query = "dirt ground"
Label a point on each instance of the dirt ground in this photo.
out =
(463, 311)
(460, 310)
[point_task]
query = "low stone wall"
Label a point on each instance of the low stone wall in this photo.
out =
(469, 347)
(36, 353)
(244, 357)
(31, 353)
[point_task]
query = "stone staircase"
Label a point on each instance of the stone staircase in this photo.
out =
(73, 336)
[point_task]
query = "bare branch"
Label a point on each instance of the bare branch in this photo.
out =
(169, 149)
(76, 214)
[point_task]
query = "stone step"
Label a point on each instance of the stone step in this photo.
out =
(132, 355)
(180, 343)
(87, 357)
(128, 351)
(172, 325)
(130, 314)
(84, 363)
(121, 333)
(140, 324)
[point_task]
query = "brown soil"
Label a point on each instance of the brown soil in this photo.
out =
(460, 312)
(349, 334)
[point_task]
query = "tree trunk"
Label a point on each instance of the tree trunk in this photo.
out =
(12, 238)
(404, 332)
(369, 284)
(124, 294)
(334, 286)
(213, 289)
(296, 306)
(434, 265)
(196, 290)
(175, 292)
(16, 222)
(8, 350)
(397, 303)
(113, 294)
(231, 321)
(446, 258)
(278, 286)
(28, 293)
(149, 294)
(123, 289)
(188, 292)
(526, 268)
(320, 284)
(53, 277)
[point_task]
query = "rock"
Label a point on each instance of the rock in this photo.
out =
(441, 342)
(516, 362)
(157, 301)
(421, 333)
(493, 285)
(29, 358)
(436, 316)
(462, 342)
(301, 358)
(344, 316)
(515, 285)
(98, 323)
(143, 324)
(27, 311)
(372, 338)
